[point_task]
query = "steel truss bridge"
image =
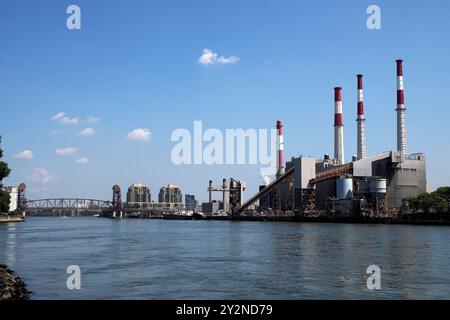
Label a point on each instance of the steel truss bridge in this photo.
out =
(93, 205)
(67, 204)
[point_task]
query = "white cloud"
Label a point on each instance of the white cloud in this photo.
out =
(92, 120)
(58, 116)
(66, 151)
(67, 120)
(210, 57)
(140, 134)
(86, 132)
(230, 59)
(83, 160)
(24, 155)
(42, 175)
(55, 132)
(61, 117)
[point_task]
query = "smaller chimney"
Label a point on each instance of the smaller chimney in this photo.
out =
(338, 127)
(361, 134)
(401, 117)
(280, 148)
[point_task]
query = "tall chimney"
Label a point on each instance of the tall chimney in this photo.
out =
(401, 121)
(361, 134)
(338, 127)
(280, 149)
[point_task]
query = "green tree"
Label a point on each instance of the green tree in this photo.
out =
(436, 201)
(444, 192)
(4, 172)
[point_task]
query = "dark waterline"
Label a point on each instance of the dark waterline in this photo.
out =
(160, 259)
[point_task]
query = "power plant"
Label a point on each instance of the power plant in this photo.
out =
(374, 186)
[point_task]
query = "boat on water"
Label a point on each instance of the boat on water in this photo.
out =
(198, 216)
(177, 216)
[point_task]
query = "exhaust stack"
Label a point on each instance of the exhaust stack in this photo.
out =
(361, 133)
(401, 121)
(280, 149)
(338, 127)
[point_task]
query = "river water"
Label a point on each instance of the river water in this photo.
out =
(162, 259)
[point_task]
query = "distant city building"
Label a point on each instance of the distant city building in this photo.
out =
(138, 196)
(170, 194)
(13, 194)
(190, 202)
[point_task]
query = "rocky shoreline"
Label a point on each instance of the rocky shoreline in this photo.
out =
(11, 287)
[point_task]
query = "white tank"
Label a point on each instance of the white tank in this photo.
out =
(344, 188)
(377, 185)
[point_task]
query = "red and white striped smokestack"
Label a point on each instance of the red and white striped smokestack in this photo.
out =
(401, 120)
(361, 133)
(280, 149)
(338, 127)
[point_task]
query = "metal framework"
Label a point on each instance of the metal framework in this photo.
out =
(67, 204)
(333, 173)
(264, 191)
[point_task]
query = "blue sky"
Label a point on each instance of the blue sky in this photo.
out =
(134, 64)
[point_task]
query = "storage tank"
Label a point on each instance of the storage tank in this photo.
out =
(377, 185)
(344, 188)
(363, 186)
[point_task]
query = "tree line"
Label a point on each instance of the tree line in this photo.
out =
(431, 202)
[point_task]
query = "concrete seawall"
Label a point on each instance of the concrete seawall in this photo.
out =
(11, 218)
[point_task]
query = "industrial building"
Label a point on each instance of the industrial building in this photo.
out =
(232, 197)
(138, 196)
(212, 207)
(366, 186)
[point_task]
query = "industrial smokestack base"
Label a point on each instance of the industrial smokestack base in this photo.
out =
(338, 127)
(361, 133)
(401, 118)
(280, 149)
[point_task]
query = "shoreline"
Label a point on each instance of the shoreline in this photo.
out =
(12, 287)
(11, 218)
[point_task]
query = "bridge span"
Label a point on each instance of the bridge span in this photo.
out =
(67, 204)
(80, 206)
(75, 206)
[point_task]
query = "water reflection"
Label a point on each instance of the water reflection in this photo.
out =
(226, 260)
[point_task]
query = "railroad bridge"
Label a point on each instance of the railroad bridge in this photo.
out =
(80, 206)
(67, 205)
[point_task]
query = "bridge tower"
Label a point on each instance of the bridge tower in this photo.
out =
(21, 199)
(117, 200)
